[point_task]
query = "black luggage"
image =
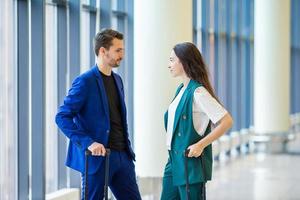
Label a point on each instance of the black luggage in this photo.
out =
(187, 189)
(87, 154)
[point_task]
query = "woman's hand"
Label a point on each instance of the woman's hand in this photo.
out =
(224, 125)
(195, 150)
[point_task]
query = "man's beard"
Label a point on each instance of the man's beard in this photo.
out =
(116, 64)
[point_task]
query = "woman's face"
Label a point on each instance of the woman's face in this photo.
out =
(175, 66)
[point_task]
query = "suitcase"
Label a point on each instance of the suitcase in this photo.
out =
(87, 154)
(187, 186)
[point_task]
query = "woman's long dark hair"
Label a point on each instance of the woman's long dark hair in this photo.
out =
(193, 65)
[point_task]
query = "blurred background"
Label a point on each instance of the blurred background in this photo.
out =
(252, 50)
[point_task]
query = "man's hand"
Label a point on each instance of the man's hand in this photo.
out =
(97, 149)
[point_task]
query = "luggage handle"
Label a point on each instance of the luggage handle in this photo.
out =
(186, 173)
(107, 154)
(187, 185)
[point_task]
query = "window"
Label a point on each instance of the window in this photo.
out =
(226, 39)
(8, 103)
(85, 37)
(295, 57)
(51, 99)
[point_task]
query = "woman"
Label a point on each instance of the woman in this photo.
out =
(187, 122)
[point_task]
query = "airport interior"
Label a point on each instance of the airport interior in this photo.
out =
(250, 47)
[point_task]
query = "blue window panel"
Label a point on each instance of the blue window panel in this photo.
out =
(92, 31)
(223, 81)
(74, 60)
(62, 84)
(212, 44)
(295, 80)
(195, 39)
(246, 10)
(249, 62)
(229, 58)
(205, 35)
(122, 16)
(105, 14)
(251, 18)
(228, 17)
(205, 13)
(239, 66)
(251, 83)
(229, 77)
(217, 15)
(215, 65)
(37, 100)
(247, 85)
(229, 31)
(215, 36)
(210, 15)
(220, 41)
(223, 52)
(23, 100)
(295, 25)
(243, 85)
(222, 16)
(234, 87)
(251, 8)
(74, 38)
(295, 57)
(205, 46)
(243, 56)
(130, 49)
(234, 16)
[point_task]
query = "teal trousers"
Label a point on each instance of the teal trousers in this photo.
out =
(171, 192)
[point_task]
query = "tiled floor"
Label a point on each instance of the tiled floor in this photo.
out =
(257, 177)
(251, 177)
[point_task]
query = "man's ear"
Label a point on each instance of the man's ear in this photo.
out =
(102, 51)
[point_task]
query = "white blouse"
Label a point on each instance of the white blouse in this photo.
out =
(205, 108)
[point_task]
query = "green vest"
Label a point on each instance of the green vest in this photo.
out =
(184, 135)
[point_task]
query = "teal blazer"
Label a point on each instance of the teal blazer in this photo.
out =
(184, 135)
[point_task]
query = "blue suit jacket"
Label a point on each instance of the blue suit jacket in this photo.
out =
(84, 118)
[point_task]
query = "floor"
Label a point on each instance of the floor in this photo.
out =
(256, 176)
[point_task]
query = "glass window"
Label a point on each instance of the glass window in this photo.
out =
(8, 103)
(227, 46)
(85, 39)
(51, 97)
(295, 57)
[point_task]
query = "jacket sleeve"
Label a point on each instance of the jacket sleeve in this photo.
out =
(64, 119)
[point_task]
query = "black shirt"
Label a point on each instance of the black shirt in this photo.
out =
(116, 135)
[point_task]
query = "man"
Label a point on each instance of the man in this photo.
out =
(93, 117)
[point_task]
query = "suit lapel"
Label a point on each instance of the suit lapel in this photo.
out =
(102, 92)
(166, 113)
(120, 91)
(181, 105)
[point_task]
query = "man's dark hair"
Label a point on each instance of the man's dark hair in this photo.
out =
(104, 39)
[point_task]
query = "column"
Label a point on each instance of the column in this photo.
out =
(272, 71)
(159, 25)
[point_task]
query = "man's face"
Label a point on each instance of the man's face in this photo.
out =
(114, 55)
